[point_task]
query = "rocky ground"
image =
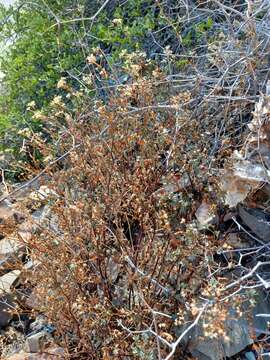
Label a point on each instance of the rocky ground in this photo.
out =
(25, 333)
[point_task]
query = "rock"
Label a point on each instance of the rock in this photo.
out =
(42, 193)
(38, 214)
(6, 298)
(44, 216)
(6, 210)
(25, 231)
(35, 343)
(250, 356)
(31, 265)
(235, 189)
(9, 246)
(10, 249)
(113, 270)
(38, 324)
(229, 216)
(8, 280)
(236, 242)
(52, 353)
(205, 214)
(6, 305)
(248, 167)
(257, 221)
(240, 332)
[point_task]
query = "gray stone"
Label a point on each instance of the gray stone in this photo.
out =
(31, 265)
(25, 231)
(38, 324)
(206, 215)
(9, 246)
(53, 352)
(35, 343)
(250, 355)
(37, 214)
(237, 242)
(44, 216)
(257, 220)
(10, 250)
(7, 281)
(6, 305)
(240, 332)
(6, 210)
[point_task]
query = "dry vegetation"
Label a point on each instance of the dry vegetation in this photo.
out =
(122, 265)
(123, 270)
(123, 255)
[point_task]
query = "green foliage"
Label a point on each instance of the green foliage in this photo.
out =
(197, 32)
(40, 53)
(187, 39)
(204, 26)
(182, 63)
(128, 28)
(34, 61)
(37, 55)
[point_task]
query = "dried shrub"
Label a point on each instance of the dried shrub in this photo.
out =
(121, 244)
